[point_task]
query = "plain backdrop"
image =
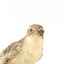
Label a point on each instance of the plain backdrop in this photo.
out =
(17, 15)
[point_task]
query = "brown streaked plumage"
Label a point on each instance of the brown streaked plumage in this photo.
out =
(27, 50)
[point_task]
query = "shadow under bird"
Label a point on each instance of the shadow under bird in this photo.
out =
(27, 50)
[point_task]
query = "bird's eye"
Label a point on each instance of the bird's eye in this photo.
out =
(31, 30)
(42, 31)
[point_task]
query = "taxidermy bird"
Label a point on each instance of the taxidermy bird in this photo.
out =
(27, 50)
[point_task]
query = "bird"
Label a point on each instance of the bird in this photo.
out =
(27, 50)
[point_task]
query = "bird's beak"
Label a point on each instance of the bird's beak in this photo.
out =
(35, 32)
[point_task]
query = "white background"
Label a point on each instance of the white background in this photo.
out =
(17, 15)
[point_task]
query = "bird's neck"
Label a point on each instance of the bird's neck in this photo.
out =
(33, 39)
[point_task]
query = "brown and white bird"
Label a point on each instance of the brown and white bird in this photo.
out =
(27, 50)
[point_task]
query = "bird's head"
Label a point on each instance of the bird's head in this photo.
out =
(35, 30)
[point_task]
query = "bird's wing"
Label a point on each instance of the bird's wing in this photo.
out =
(10, 52)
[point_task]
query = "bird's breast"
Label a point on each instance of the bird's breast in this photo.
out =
(33, 48)
(31, 51)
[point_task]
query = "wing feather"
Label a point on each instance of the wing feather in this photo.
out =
(10, 52)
